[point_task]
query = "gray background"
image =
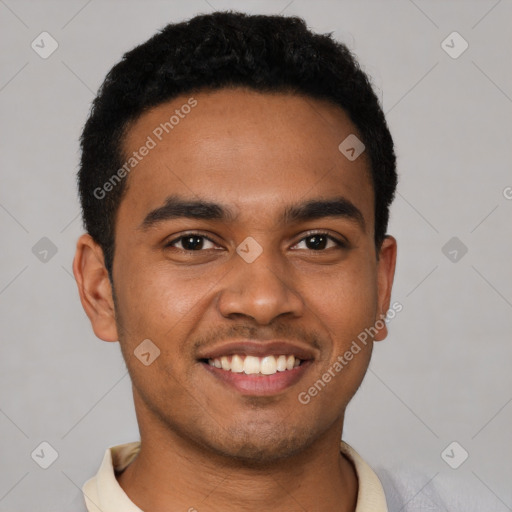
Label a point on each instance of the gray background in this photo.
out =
(444, 373)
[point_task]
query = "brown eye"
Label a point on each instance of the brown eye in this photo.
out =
(316, 242)
(321, 241)
(192, 242)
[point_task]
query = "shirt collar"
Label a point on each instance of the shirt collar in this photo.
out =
(102, 493)
(370, 494)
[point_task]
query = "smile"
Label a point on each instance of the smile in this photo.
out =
(257, 376)
(252, 365)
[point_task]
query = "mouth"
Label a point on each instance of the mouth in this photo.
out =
(253, 365)
(257, 376)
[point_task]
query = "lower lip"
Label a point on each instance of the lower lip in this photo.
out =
(259, 385)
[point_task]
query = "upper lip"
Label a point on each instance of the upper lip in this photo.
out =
(259, 349)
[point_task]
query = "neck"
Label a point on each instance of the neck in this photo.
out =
(172, 470)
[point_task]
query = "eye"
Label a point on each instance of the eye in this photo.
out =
(192, 242)
(321, 241)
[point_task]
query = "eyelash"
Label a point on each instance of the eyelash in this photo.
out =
(340, 243)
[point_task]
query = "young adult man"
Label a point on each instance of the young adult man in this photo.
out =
(235, 181)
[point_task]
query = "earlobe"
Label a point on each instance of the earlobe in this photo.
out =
(94, 288)
(385, 276)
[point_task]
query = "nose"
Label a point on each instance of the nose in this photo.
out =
(261, 290)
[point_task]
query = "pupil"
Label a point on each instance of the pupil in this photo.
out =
(193, 242)
(316, 242)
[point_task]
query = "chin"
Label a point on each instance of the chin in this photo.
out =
(264, 444)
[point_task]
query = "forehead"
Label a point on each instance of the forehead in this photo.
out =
(243, 148)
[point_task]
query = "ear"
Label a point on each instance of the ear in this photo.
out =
(94, 288)
(385, 275)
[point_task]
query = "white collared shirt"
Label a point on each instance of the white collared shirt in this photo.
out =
(102, 493)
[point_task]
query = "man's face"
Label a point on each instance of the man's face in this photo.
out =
(236, 280)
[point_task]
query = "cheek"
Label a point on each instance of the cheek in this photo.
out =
(152, 296)
(164, 307)
(347, 301)
(346, 306)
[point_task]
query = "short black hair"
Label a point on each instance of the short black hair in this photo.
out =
(267, 53)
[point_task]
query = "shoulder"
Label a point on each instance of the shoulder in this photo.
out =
(411, 490)
(77, 504)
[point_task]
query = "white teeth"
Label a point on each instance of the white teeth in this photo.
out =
(281, 363)
(250, 365)
(226, 365)
(269, 365)
(237, 364)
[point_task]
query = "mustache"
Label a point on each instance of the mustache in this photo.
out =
(281, 331)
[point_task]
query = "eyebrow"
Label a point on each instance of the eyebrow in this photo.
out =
(319, 208)
(176, 207)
